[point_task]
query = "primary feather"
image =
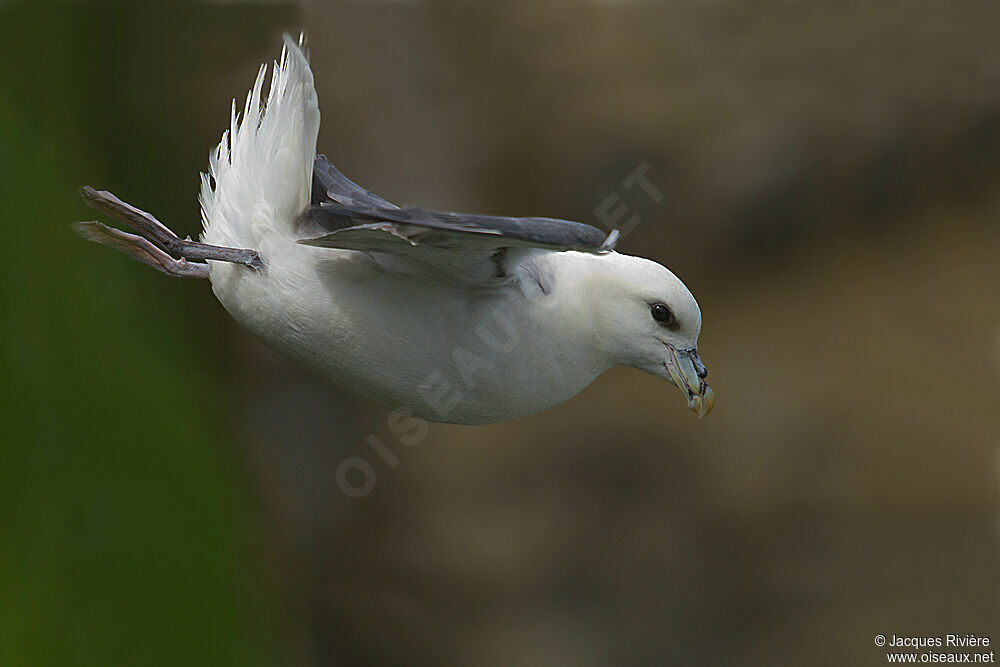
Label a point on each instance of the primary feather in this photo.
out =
(450, 317)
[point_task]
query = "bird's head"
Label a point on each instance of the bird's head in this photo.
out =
(647, 318)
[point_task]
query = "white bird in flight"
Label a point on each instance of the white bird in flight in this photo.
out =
(469, 319)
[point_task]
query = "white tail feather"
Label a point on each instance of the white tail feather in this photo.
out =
(260, 174)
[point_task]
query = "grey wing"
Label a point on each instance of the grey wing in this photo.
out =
(469, 247)
(331, 186)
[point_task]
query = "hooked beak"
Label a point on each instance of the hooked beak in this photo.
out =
(688, 373)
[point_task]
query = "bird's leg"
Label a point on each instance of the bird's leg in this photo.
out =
(141, 249)
(156, 235)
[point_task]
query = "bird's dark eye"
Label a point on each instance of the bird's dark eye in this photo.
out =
(661, 313)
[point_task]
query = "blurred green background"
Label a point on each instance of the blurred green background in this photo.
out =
(829, 172)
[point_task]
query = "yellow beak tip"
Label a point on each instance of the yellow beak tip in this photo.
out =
(705, 403)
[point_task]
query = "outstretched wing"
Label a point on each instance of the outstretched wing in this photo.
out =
(469, 247)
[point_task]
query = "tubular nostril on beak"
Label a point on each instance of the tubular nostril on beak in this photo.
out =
(698, 366)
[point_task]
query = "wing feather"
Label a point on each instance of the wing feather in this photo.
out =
(346, 216)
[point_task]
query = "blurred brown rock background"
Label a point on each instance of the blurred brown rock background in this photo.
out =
(829, 176)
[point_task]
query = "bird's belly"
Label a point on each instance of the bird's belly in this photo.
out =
(425, 349)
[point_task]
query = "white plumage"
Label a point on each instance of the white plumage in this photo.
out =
(262, 168)
(466, 319)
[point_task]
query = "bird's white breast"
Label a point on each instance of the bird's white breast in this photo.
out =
(414, 344)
